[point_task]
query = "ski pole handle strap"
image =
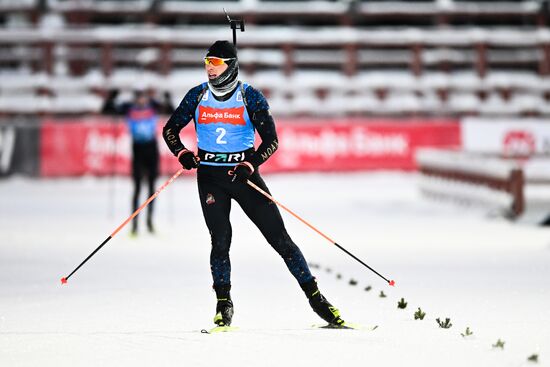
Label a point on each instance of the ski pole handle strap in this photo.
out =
(248, 165)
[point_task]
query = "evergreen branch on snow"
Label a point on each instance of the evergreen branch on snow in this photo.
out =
(444, 324)
(499, 344)
(468, 332)
(419, 315)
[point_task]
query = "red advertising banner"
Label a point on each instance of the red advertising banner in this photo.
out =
(345, 145)
(98, 146)
(101, 146)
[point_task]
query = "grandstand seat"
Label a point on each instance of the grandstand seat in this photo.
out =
(336, 103)
(76, 103)
(181, 80)
(133, 78)
(320, 57)
(269, 80)
(261, 57)
(279, 104)
(305, 103)
(462, 103)
(26, 82)
(364, 102)
(399, 57)
(467, 81)
(528, 103)
(495, 104)
(94, 79)
(433, 81)
(24, 104)
(448, 55)
(512, 80)
(387, 80)
(318, 80)
(340, 103)
(67, 84)
(401, 102)
(431, 103)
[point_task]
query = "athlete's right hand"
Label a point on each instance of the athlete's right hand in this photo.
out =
(188, 159)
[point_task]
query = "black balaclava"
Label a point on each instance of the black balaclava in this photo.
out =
(227, 81)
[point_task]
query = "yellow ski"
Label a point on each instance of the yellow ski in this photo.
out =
(347, 325)
(219, 329)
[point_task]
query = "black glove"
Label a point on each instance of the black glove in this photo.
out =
(242, 172)
(188, 159)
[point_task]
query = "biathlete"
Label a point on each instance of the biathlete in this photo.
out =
(141, 116)
(226, 112)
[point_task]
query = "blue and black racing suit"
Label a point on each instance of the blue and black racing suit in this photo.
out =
(142, 125)
(225, 136)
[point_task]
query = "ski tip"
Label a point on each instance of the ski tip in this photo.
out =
(63, 280)
(345, 326)
(219, 329)
(392, 283)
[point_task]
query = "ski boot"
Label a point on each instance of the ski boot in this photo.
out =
(224, 312)
(321, 306)
(224, 307)
(134, 231)
(150, 226)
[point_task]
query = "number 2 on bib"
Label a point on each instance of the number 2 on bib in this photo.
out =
(221, 131)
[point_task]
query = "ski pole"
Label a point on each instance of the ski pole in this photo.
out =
(151, 198)
(390, 282)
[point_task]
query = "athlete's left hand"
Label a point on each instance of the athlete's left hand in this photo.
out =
(242, 172)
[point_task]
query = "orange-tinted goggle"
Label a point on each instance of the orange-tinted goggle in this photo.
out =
(215, 61)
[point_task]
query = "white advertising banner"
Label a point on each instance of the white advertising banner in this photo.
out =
(511, 137)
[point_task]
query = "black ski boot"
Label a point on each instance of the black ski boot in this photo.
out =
(224, 307)
(134, 231)
(320, 305)
(150, 226)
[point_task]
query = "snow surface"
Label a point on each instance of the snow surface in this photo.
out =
(142, 302)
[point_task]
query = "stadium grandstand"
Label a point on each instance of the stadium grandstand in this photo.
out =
(356, 58)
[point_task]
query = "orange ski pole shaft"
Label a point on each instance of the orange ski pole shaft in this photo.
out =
(390, 282)
(151, 198)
